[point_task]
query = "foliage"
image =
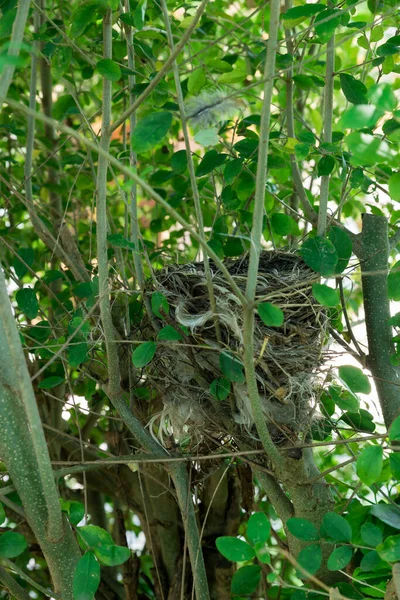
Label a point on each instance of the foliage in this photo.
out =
(141, 138)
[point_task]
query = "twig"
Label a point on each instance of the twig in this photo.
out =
(164, 69)
(193, 181)
(327, 136)
(256, 233)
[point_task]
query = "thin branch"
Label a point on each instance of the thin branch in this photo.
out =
(327, 136)
(17, 382)
(145, 186)
(164, 69)
(193, 181)
(374, 258)
(256, 233)
(296, 175)
(14, 48)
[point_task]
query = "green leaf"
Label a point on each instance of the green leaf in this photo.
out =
(394, 282)
(325, 295)
(281, 224)
(271, 316)
(325, 166)
(303, 529)
(210, 161)
(232, 170)
(262, 553)
(294, 16)
(86, 577)
(112, 555)
(12, 544)
(118, 240)
(367, 149)
(140, 15)
(28, 256)
(389, 550)
(343, 245)
(320, 255)
(370, 562)
(234, 549)
(179, 161)
(353, 89)
(76, 512)
(346, 400)
(394, 186)
(394, 431)
(361, 420)
(388, 513)
(94, 536)
(310, 558)
(82, 17)
(143, 354)
(159, 305)
(207, 137)
(340, 558)
(383, 96)
(336, 527)
(360, 115)
(41, 331)
(77, 353)
(246, 580)
(355, 379)
(169, 333)
(231, 367)
(150, 131)
(109, 69)
(196, 81)
(2, 514)
(220, 388)
(51, 382)
(27, 302)
(371, 534)
(369, 464)
(326, 22)
(394, 462)
(258, 528)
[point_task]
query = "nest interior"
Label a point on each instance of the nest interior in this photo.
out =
(287, 358)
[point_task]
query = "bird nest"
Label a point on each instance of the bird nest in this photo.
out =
(286, 358)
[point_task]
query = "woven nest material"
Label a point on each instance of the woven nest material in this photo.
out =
(287, 358)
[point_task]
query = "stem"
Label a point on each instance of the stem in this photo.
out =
(12, 586)
(19, 382)
(296, 175)
(327, 136)
(164, 70)
(193, 181)
(256, 233)
(374, 269)
(143, 184)
(24, 451)
(14, 47)
(105, 306)
(132, 158)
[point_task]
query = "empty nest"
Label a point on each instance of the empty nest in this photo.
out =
(287, 357)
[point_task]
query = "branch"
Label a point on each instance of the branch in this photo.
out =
(296, 175)
(14, 48)
(164, 69)
(193, 181)
(16, 380)
(12, 586)
(374, 258)
(23, 448)
(256, 234)
(327, 137)
(143, 184)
